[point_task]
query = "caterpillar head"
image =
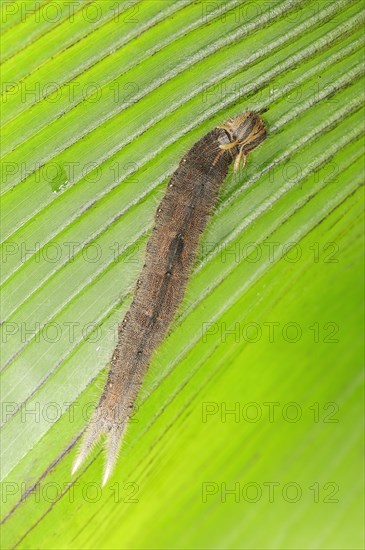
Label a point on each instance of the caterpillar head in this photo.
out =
(245, 132)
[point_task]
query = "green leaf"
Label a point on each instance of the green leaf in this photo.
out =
(248, 431)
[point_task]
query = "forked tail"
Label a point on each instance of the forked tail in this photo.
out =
(111, 422)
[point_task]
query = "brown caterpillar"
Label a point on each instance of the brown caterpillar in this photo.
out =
(180, 219)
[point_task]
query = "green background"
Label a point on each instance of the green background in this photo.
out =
(248, 432)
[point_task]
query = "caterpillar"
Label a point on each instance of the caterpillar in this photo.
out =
(171, 250)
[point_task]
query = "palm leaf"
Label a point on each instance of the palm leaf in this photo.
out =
(248, 428)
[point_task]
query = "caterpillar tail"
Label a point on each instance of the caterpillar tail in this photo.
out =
(113, 427)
